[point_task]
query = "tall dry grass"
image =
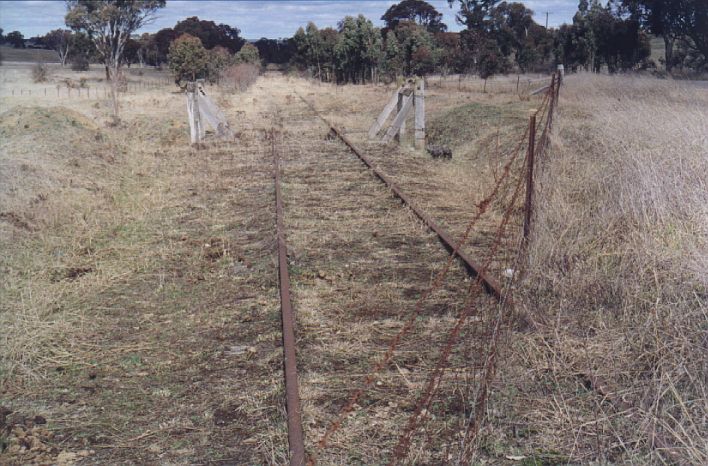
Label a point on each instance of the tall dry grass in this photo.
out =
(238, 78)
(618, 274)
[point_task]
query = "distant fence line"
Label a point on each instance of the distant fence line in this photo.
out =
(76, 90)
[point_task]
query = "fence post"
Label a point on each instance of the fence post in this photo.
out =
(193, 113)
(419, 104)
(551, 96)
(402, 131)
(528, 206)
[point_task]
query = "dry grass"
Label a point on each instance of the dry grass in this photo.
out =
(140, 288)
(138, 291)
(240, 77)
(359, 262)
(617, 278)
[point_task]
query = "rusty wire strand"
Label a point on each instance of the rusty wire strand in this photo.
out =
(474, 424)
(439, 279)
(435, 378)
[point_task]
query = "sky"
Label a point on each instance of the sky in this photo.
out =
(256, 19)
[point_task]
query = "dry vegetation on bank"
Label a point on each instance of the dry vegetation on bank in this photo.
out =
(617, 370)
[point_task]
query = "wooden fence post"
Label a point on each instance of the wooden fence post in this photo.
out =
(419, 104)
(528, 206)
(402, 130)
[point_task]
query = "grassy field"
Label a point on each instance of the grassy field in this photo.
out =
(11, 54)
(140, 292)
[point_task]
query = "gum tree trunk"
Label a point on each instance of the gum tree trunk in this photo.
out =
(669, 52)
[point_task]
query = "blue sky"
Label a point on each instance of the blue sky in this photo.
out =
(255, 19)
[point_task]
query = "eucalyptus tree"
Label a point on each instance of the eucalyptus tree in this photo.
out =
(109, 25)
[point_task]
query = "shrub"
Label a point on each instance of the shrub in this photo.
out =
(248, 54)
(240, 77)
(79, 63)
(188, 59)
(39, 73)
(219, 59)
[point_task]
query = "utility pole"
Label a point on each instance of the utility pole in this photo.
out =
(546, 20)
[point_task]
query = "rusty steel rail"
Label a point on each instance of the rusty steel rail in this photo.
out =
(296, 438)
(490, 285)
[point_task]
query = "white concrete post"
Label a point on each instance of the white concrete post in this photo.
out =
(195, 129)
(419, 104)
(402, 130)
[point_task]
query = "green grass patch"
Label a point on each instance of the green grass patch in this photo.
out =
(474, 121)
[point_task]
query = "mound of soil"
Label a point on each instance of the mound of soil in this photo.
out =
(44, 151)
(472, 122)
(21, 120)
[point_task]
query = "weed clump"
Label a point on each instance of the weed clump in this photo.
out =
(79, 63)
(240, 77)
(39, 73)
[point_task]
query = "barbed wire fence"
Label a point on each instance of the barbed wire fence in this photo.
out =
(491, 324)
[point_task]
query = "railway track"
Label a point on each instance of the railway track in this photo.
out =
(360, 264)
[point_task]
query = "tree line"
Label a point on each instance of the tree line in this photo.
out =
(501, 37)
(498, 37)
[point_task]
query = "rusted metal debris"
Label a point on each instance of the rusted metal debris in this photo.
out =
(296, 439)
(489, 283)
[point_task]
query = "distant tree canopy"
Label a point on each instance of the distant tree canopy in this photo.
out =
(277, 51)
(602, 36)
(211, 34)
(498, 37)
(59, 40)
(248, 54)
(155, 47)
(682, 23)
(109, 24)
(188, 58)
(417, 11)
(16, 39)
